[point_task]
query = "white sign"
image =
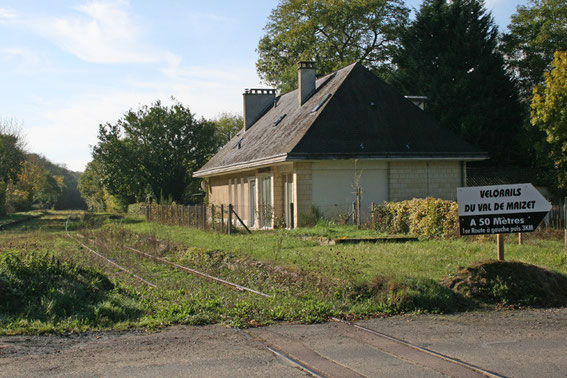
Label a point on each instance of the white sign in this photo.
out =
(500, 209)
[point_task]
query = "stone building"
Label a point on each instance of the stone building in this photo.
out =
(314, 146)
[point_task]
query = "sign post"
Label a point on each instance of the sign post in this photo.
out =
(500, 209)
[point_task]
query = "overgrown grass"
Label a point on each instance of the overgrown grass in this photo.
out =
(308, 281)
(17, 217)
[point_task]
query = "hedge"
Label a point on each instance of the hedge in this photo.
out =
(427, 218)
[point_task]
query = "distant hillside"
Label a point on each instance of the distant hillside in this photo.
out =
(71, 198)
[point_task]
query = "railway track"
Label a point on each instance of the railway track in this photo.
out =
(298, 352)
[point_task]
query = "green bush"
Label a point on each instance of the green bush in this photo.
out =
(428, 218)
(137, 208)
(41, 287)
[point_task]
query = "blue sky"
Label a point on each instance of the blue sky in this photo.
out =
(67, 66)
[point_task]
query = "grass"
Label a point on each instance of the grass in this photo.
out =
(427, 259)
(307, 280)
(18, 217)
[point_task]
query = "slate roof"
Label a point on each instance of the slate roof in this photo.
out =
(360, 117)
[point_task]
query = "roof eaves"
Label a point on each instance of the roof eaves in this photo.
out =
(241, 166)
(390, 156)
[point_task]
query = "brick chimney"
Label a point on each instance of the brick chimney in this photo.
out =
(306, 78)
(256, 102)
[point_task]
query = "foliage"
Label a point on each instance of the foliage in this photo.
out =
(94, 193)
(11, 158)
(41, 287)
(535, 32)
(137, 208)
(548, 114)
(34, 187)
(70, 197)
(152, 152)
(311, 218)
(449, 54)
(227, 125)
(334, 33)
(428, 218)
(307, 281)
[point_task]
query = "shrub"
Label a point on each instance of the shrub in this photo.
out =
(39, 286)
(428, 218)
(311, 219)
(137, 208)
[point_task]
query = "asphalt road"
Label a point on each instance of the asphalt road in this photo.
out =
(526, 343)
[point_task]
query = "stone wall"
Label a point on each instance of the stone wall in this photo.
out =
(419, 179)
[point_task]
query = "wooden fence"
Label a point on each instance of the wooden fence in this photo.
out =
(221, 218)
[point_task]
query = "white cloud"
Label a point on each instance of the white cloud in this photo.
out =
(7, 15)
(102, 32)
(69, 126)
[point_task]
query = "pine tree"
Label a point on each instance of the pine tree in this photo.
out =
(449, 53)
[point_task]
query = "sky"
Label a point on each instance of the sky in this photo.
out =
(67, 66)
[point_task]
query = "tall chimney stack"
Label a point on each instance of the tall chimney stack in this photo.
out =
(256, 102)
(306, 78)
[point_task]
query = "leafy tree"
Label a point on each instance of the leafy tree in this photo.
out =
(94, 193)
(152, 152)
(334, 33)
(535, 32)
(227, 125)
(35, 186)
(449, 53)
(11, 158)
(549, 104)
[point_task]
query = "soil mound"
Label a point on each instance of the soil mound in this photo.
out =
(510, 283)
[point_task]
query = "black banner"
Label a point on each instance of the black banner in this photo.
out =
(500, 223)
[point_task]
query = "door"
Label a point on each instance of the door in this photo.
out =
(251, 201)
(288, 200)
(266, 201)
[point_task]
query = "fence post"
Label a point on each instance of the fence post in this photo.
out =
(500, 246)
(372, 215)
(213, 216)
(353, 213)
(204, 211)
(358, 224)
(229, 221)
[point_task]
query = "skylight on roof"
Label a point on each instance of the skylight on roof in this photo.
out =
(323, 101)
(279, 119)
(238, 144)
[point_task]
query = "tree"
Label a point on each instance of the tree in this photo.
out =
(35, 186)
(94, 193)
(449, 53)
(334, 33)
(11, 158)
(549, 104)
(535, 32)
(227, 125)
(152, 152)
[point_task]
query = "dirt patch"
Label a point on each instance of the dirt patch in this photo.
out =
(510, 283)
